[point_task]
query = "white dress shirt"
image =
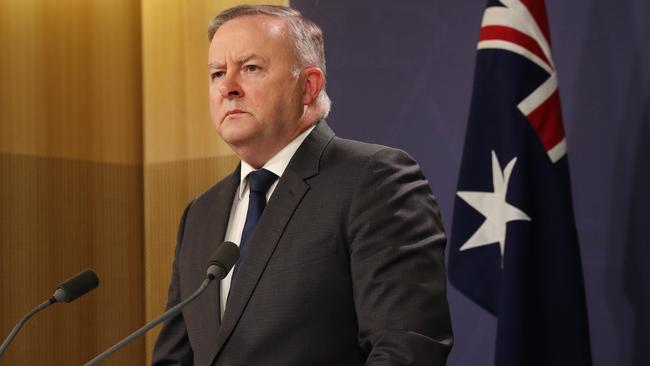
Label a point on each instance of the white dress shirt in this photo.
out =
(277, 164)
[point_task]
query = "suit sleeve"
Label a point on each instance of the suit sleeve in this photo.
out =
(397, 260)
(172, 346)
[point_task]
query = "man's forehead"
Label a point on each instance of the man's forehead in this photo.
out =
(248, 36)
(268, 25)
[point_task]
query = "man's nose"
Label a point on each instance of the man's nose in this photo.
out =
(230, 87)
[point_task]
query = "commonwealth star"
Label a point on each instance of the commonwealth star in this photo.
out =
(494, 207)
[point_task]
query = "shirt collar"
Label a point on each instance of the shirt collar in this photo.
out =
(277, 164)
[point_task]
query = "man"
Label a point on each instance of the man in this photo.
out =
(341, 242)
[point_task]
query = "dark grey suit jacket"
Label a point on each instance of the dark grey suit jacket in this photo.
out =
(345, 267)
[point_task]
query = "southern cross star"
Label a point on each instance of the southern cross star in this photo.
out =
(494, 207)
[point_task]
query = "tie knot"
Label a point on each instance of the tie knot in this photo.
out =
(261, 180)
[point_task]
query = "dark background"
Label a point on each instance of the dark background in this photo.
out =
(400, 74)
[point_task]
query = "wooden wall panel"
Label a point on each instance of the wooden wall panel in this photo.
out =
(175, 80)
(169, 188)
(70, 81)
(71, 181)
(58, 216)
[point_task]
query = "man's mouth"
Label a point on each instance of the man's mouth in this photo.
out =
(234, 112)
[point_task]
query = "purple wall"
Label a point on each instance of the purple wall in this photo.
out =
(402, 77)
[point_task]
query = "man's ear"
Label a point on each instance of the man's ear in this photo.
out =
(314, 83)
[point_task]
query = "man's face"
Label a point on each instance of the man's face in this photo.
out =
(255, 100)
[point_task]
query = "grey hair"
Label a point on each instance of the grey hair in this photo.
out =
(306, 35)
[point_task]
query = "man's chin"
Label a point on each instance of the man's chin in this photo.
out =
(235, 137)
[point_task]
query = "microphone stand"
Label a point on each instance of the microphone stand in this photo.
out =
(168, 314)
(22, 322)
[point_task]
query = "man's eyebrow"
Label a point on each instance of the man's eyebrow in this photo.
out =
(246, 58)
(241, 60)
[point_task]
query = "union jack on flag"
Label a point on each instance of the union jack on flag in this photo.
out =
(514, 246)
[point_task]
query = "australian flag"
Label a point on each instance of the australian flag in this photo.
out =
(514, 248)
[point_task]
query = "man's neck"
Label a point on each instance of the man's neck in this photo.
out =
(279, 162)
(257, 157)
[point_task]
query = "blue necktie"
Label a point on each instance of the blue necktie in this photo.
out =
(259, 182)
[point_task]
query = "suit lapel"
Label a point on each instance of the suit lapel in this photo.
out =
(285, 199)
(213, 234)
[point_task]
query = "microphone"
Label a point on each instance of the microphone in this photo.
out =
(68, 291)
(219, 264)
(76, 286)
(222, 260)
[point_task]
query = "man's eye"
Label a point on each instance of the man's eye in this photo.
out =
(251, 68)
(217, 75)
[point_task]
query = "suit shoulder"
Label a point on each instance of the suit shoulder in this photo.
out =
(363, 152)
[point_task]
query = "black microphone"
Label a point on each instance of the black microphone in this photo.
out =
(76, 286)
(222, 260)
(68, 291)
(219, 264)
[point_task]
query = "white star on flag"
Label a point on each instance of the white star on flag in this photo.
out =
(494, 207)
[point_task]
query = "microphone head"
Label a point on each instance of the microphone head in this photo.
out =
(222, 260)
(76, 286)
